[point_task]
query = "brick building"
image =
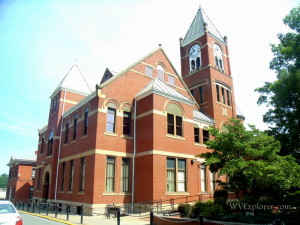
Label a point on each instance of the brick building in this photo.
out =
(20, 179)
(136, 137)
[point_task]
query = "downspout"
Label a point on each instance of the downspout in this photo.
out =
(133, 159)
(59, 146)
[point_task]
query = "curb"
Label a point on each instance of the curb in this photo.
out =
(46, 217)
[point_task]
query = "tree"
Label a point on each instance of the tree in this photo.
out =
(250, 159)
(282, 97)
(3, 180)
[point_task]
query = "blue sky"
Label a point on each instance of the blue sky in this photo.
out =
(40, 40)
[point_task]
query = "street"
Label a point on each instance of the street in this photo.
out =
(34, 220)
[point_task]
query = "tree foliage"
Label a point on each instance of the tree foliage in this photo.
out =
(250, 159)
(282, 97)
(3, 180)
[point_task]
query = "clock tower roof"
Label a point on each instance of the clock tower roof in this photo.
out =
(199, 26)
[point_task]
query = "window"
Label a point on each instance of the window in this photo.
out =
(125, 175)
(192, 92)
(212, 181)
(110, 120)
(126, 123)
(181, 184)
(71, 174)
(223, 95)
(201, 95)
(174, 120)
(86, 119)
(203, 178)
(196, 135)
(50, 146)
(195, 58)
(171, 80)
(66, 133)
(160, 72)
(39, 178)
(176, 175)
(171, 181)
(82, 174)
(218, 92)
(42, 144)
(218, 57)
(149, 71)
(205, 136)
(170, 124)
(228, 97)
(63, 176)
(179, 125)
(75, 128)
(110, 174)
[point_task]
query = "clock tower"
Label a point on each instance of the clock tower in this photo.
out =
(205, 67)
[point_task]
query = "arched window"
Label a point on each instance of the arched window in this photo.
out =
(195, 58)
(218, 57)
(160, 72)
(174, 119)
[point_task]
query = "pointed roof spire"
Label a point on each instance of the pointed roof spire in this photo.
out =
(199, 26)
(106, 76)
(74, 80)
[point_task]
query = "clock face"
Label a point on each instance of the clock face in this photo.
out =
(194, 51)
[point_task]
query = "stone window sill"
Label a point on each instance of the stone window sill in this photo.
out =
(81, 193)
(178, 193)
(228, 106)
(175, 137)
(110, 134)
(126, 137)
(199, 144)
(84, 136)
(115, 193)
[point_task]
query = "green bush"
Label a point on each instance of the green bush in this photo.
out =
(207, 209)
(220, 197)
(184, 210)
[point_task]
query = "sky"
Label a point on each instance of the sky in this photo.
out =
(41, 39)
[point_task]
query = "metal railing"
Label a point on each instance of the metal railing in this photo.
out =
(51, 208)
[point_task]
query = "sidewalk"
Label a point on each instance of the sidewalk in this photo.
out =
(93, 220)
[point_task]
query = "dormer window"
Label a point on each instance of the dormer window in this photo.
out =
(160, 72)
(195, 58)
(218, 57)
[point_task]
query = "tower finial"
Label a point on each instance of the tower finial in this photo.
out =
(200, 5)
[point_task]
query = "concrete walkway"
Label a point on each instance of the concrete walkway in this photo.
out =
(93, 220)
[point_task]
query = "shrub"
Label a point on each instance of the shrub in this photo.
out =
(220, 197)
(184, 210)
(207, 209)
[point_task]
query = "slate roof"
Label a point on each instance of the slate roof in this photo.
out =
(106, 76)
(74, 80)
(158, 87)
(197, 29)
(202, 117)
(13, 161)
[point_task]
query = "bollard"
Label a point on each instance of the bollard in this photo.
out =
(118, 216)
(47, 210)
(67, 209)
(81, 215)
(151, 217)
(55, 205)
(201, 220)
